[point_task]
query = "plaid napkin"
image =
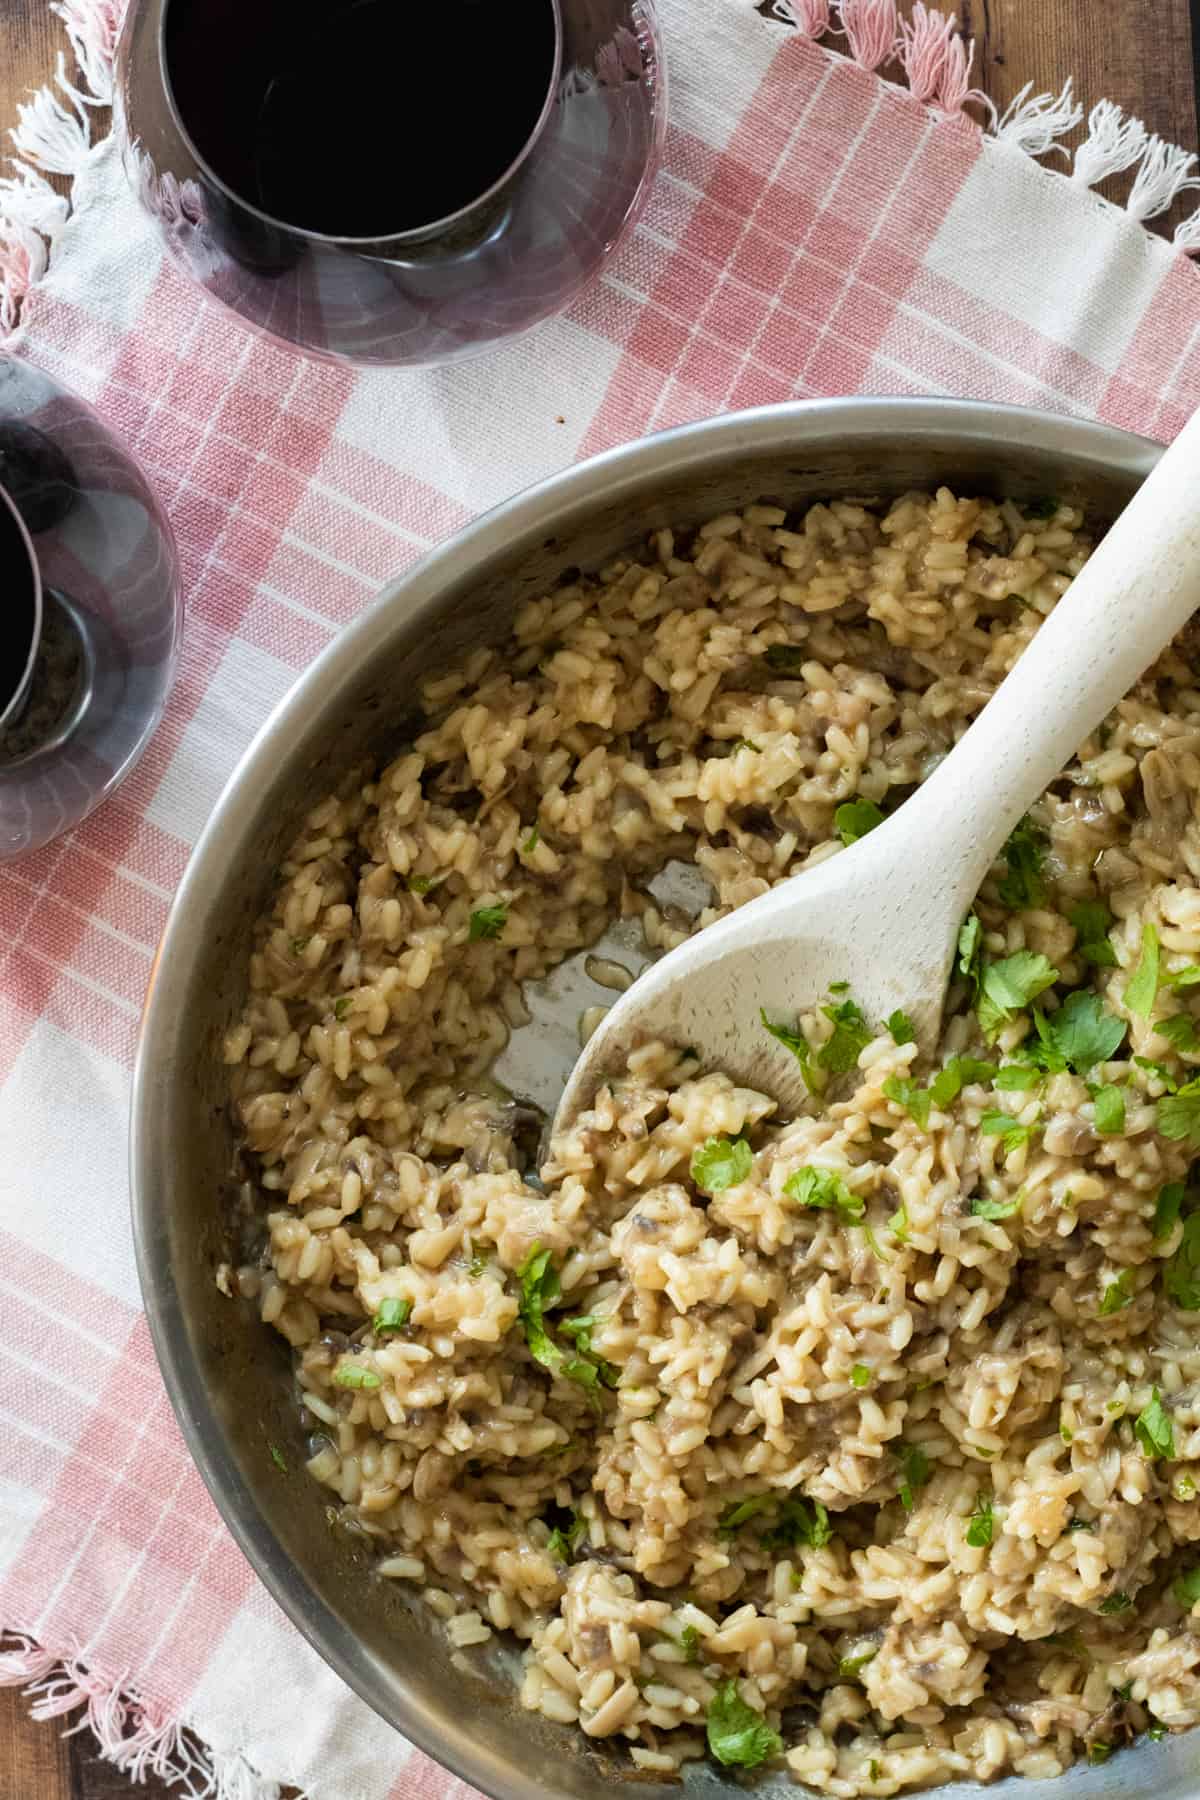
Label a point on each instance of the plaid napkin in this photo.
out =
(815, 230)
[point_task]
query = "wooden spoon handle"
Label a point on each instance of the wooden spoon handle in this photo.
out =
(1139, 587)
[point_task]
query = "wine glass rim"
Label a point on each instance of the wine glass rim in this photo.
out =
(9, 707)
(412, 233)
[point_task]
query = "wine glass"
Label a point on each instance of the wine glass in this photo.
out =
(90, 610)
(386, 183)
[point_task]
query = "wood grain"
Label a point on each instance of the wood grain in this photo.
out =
(1122, 50)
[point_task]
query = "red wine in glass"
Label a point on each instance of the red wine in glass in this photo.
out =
(385, 181)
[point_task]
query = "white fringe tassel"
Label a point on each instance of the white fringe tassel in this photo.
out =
(130, 1734)
(936, 62)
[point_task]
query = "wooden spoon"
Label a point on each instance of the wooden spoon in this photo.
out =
(885, 914)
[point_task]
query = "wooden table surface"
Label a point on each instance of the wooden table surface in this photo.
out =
(1136, 52)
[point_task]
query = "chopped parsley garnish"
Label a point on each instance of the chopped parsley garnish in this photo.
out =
(1180, 1032)
(739, 1512)
(1093, 922)
(392, 1315)
(916, 1101)
(1186, 1588)
(901, 1027)
(487, 922)
(1114, 1604)
(342, 1005)
(1142, 987)
(721, 1163)
(860, 1376)
(1044, 506)
(850, 1667)
(1153, 1427)
(277, 1457)
(1008, 986)
(959, 1072)
(478, 1264)
(300, 945)
(898, 1223)
(786, 656)
(689, 1642)
(565, 1539)
(1181, 1272)
(970, 949)
(353, 1375)
(1108, 1110)
(824, 1191)
(854, 818)
(421, 884)
(798, 1521)
(1159, 1071)
(1168, 1207)
(851, 1035)
(981, 1523)
(1010, 1131)
(737, 1735)
(1017, 1078)
(983, 1208)
(1177, 1115)
(1116, 1294)
(797, 1043)
(1023, 855)
(1078, 1524)
(540, 1288)
(1156, 1732)
(532, 839)
(1078, 1036)
(915, 1464)
(1098, 1752)
(745, 744)
(1184, 978)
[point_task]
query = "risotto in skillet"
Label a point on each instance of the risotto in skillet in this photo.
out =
(863, 1444)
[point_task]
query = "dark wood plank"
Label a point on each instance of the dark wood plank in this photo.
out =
(1123, 51)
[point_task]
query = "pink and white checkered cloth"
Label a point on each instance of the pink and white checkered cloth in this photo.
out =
(814, 231)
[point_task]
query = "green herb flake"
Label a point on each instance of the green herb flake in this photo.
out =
(851, 1035)
(564, 1540)
(353, 1375)
(1184, 978)
(823, 1191)
(1185, 1488)
(478, 1264)
(1181, 1272)
(1010, 1131)
(873, 1770)
(300, 945)
(901, 1027)
(487, 922)
(721, 1163)
(1114, 1604)
(798, 1521)
(1160, 1072)
(738, 1737)
(798, 1044)
(1079, 1035)
(916, 1101)
(915, 1465)
(1156, 1732)
(1142, 987)
(983, 1208)
(1043, 506)
(860, 1376)
(1153, 1427)
(981, 1523)
(1116, 1295)
(850, 1667)
(854, 818)
(740, 1512)
(1077, 1524)
(788, 657)
(1180, 1032)
(1024, 854)
(689, 1642)
(422, 884)
(745, 744)
(1018, 1078)
(1093, 922)
(1177, 1115)
(540, 1288)
(1007, 987)
(532, 839)
(342, 1005)
(970, 949)
(959, 1072)
(898, 1223)
(278, 1458)
(392, 1316)
(1098, 1752)
(1186, 1589)
(1108, 1110)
